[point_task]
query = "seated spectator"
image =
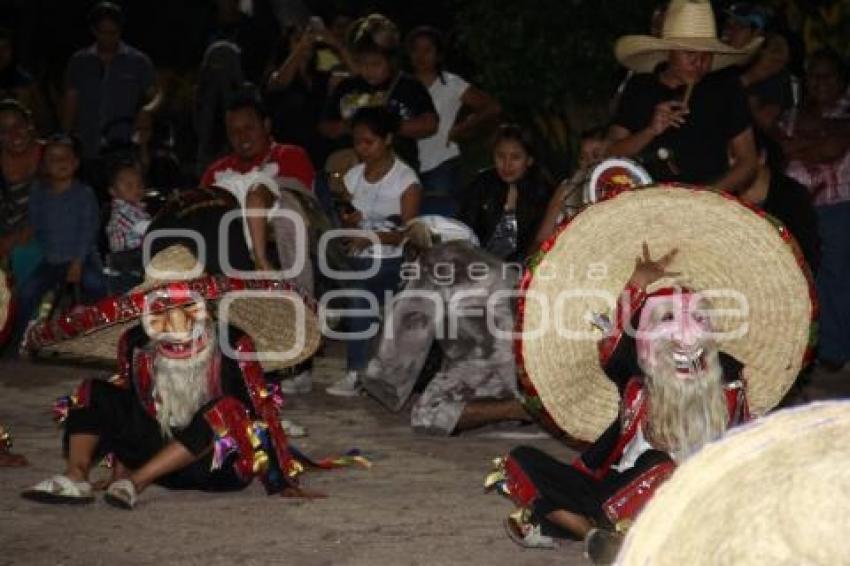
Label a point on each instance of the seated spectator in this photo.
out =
(374, 43)
(452, 95)
(678, 115)
(766, 81)
(784, 198)
(20, 156)
(385, 195)
(271, 182)
(17, 84)
(504, 205)
(128, 222)
(568, 198)
(817, 144)
(263, 174)
(64, 215)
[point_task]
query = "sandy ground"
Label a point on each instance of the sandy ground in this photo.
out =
(422, 503)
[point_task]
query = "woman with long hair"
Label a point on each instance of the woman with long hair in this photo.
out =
(505, 204)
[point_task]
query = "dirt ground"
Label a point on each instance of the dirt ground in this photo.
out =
(422, 503)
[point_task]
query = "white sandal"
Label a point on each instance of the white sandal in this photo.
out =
(121, 494)
(60, 489)
(529, 535)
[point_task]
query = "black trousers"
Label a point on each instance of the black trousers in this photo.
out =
(126, 430)
(560, 486)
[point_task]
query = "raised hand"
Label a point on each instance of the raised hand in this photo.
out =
(647, 271)
(670, 114)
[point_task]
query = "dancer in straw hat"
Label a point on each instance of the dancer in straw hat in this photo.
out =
(678, 399)
(189, 407)
(653, 376)
(680, 113)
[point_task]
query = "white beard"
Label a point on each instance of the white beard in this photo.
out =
(685, 414)
(181, 386)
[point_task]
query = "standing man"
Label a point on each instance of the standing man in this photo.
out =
(111, 90)
(269, 179)
(680, 116)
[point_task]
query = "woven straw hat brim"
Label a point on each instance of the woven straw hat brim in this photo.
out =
(272, 323)
(289, 334)
(723, 245)
(774, 492)
(643, 53)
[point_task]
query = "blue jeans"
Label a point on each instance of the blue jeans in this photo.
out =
(387, 279)
(50, 277)
(832, 280)
(441, 189)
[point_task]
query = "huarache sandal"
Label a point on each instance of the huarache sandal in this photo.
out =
(60, 490)
(121, 494)
(528, 535)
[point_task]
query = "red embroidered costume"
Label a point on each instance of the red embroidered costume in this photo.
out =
(614, 478)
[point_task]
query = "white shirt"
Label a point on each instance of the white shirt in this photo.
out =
(239, 184)
(378, 201)
(447, 98)
(634, 449)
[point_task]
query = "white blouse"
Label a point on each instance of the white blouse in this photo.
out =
(380, 200)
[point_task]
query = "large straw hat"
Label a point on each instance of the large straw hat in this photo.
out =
(774, 492)
(6, 318)
(689, 25)
(270, 312)
(723, 245)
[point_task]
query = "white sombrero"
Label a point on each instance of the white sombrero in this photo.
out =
(689, 25)
(774, 492)
(724, 246)
(279, 317)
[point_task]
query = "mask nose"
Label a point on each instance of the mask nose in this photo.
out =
(177, 322)
(688, 333)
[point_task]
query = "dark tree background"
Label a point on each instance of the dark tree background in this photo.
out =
(549, 62)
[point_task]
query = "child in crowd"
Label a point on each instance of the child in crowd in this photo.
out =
(127, 225)
(569, 197)
(63, 213)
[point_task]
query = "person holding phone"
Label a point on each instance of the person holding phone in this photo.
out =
(385, 195)
(685, 113)
(375, 45)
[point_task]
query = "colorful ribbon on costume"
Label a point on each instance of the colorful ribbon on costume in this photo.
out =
(351, 458)
(258, 433)
(62, 407)
(5, 439)
(272, 391)
(223, 448)
(497, 479)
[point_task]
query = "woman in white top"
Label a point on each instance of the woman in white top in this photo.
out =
(385, 194)
(439, 154)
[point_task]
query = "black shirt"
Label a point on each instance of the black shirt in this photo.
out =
(407, 98)
(790, 203)
(698, 149)
(483, 207)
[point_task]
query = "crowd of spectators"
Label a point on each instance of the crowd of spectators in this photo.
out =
(369, 122)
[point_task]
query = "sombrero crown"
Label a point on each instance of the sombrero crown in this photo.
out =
(689, 25)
